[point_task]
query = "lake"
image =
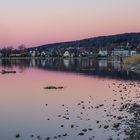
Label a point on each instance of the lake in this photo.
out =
(88, 107)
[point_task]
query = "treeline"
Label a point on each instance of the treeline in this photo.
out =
(10, 51)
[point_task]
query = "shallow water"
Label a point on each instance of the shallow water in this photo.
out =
(29, 109)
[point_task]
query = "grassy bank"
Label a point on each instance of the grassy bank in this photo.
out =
(132, 60)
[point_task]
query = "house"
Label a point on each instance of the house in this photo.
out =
(120, 52)
(84, 54)
(43, 54)
(15, 55)
(32, 53)
(133, 52)
(66, 54)
(102, 53)
(123, 52)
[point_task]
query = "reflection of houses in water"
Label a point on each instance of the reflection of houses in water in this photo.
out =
(0, 62)
(85, 63)
(43, 63)
(32, 63)
(66, 62)
(1, 54)
(100, 68)
(102, 63)
(116, 65)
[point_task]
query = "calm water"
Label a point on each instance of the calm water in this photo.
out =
(90, 99)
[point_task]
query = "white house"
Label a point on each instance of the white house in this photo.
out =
(66, 54)
(120, 52)
(123, 52)
(33, 53)
(43, 54)
(66, 62)
(133, 52)
(15, 55)
(102, 53)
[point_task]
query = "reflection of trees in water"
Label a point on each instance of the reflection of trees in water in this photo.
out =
(20, 63)
(102, 68)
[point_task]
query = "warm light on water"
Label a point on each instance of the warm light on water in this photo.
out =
(29, 109)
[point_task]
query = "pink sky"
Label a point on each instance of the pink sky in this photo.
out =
(38, 22)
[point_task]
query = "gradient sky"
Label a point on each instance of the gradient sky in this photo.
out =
(37, 22)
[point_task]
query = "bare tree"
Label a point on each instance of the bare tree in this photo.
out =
(22, 50)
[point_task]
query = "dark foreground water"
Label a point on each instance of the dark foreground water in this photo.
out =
(88, 107)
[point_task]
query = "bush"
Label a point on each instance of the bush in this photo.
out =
(132, 60)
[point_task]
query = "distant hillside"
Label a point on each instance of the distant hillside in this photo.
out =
(101, 41)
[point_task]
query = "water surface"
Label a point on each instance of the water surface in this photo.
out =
(87, 101)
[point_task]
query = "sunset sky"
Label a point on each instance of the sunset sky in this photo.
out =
(38, 22)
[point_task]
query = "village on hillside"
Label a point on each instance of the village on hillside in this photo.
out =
(70, 52)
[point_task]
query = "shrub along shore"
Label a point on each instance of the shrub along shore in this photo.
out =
(132, 60)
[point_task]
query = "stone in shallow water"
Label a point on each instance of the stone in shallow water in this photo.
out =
(84, 130)
(59, 136)
(97, 121)
(116, 125)
(39, 137)
(72, 126)
(32, 136)
(17, 135)
(90, 129)
(106, 126)
(81, 134)
(48, 138)
(65, 135)
(62, 125)
(55, 137)
(53, 87)
(119, 118)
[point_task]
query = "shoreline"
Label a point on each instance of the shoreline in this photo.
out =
(93, 57)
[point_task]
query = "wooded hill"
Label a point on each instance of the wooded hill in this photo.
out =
(102, 41)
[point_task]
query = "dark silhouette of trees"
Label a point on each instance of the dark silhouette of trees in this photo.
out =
(22, 50)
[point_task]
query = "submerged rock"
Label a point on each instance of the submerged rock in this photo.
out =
(64, 135)
(106, 126)
(116, 125)
(54, 87)
(50, 87)
(81, 134)
(17, 135)
(7, 72)
(84, 130)
(48, 138)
